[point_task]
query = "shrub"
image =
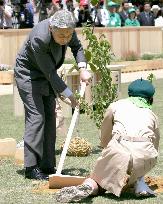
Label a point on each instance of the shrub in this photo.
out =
(148, 56)
(131, 56)
(98, 54)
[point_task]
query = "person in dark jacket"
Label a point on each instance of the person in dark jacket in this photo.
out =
(124, 13)
(84, 14)
(146, 18)
(39, 84)
(27, 16)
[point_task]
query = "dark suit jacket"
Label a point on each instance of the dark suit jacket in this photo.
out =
(123, 17)
(40, 57)
(142, 18)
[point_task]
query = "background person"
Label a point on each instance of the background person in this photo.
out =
(100, 14)
(27, 15)
(124, 13)
(159, 19)
(5, 15)
(146, 18)
(56, 5)
(48, 7)
(83, 15)
(155, 9)
(132, 18)
(114, 18)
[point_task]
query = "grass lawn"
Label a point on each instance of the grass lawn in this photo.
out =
(15, 189)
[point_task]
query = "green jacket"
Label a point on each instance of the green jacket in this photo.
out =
(131, 22)
(114, 20)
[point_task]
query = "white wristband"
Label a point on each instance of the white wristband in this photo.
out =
(82, 64)
(67, 93)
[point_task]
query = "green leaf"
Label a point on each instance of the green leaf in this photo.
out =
(151, 77)
(94, 2)
(93, 67)
(98, 54)
(87, 55)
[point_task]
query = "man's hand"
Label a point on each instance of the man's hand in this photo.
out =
(73, 100)
(85, 76)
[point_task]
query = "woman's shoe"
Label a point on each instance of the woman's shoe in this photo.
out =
(142, 189)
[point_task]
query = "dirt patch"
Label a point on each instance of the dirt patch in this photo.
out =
(141, 65)
(155, 183)
(43, 187)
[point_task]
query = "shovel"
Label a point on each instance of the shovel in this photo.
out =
(58, 180)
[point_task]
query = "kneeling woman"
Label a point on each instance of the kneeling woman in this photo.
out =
(130, 138)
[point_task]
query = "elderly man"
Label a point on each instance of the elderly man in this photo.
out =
(130, 138)
(38, 83)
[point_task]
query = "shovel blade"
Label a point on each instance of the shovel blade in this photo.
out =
(59, 181)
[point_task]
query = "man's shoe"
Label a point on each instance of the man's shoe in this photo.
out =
(35, 173)
(48, 171)
(52, 170)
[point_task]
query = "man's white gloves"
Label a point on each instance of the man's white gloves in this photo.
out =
(67, 94)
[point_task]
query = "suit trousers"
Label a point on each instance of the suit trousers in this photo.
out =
(40, 128)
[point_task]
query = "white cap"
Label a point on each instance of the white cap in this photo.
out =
(130, 5)
(155, 7)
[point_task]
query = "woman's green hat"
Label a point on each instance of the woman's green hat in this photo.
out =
(142, 88)
(131, 10)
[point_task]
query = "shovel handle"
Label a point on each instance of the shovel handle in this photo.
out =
(70, 132)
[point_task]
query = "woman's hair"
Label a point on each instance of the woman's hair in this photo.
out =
(147, 2)
(1, 2)
(150, 100)
(160, 13)
(124, 2)
(131, 13)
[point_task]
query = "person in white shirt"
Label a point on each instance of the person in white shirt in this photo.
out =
(100, 14)
(159, 19)
(5, 15)
(155, 9)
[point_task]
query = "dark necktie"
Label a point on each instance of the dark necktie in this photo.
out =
(147, 16)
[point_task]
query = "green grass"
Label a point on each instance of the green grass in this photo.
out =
(15, 189)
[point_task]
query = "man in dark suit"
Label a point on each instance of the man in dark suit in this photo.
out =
(146, 18)
(38, 83)
(124, 13)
